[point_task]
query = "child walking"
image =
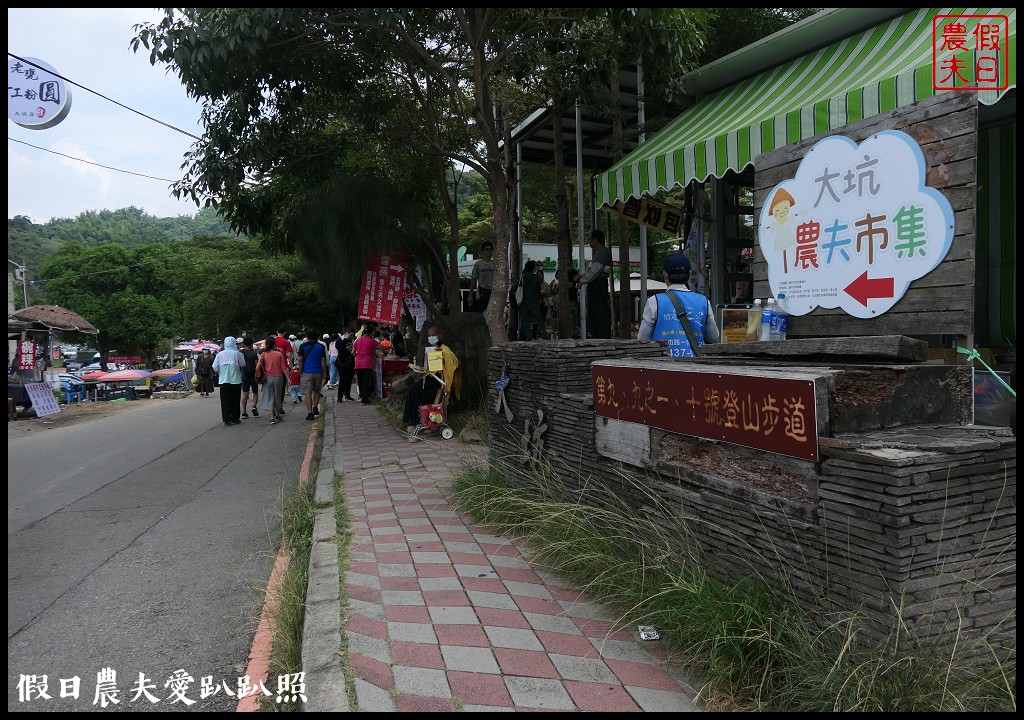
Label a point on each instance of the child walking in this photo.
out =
(295, 380)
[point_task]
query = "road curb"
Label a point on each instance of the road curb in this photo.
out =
(258, 669)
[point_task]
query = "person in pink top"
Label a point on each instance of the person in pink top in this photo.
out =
(274, 365)
(365, 349)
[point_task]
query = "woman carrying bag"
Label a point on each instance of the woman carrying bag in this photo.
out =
(273, 366)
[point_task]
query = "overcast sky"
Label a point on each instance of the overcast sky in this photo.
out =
(90, 47)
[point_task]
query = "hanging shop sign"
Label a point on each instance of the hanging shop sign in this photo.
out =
(36, 98)
(855, 226)
(383, 289)
(26, 355)
(647, 212)
(762, 411)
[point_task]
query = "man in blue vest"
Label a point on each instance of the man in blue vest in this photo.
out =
(661, 319)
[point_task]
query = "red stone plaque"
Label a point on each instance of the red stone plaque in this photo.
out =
(759, 411)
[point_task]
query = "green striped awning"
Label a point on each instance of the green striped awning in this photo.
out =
(875, 71)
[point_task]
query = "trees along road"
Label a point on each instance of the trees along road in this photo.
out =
(143, 542)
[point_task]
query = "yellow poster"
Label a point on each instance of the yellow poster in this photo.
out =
(435, 363)
(733, 324)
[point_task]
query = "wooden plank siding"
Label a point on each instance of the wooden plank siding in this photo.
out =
(942, 302)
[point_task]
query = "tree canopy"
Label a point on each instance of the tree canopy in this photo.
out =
(298, 97)
(31, 244)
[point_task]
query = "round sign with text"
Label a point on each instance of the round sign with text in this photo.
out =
(36, 98)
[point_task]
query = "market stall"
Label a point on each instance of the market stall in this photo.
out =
(387, 370)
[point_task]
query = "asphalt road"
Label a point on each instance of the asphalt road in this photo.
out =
(143, 542)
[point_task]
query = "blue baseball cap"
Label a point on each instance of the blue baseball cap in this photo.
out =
(677, 263)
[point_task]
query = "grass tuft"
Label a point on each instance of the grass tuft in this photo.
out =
(297, 521)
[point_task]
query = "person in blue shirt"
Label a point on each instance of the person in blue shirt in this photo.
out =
(660, 320)
(313, 362)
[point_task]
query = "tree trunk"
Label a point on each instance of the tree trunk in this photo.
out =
(497, 185)
(452, 294)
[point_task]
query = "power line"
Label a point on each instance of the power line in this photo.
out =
(148, 117)
(187, 261)
(89, 162)
(98, 272)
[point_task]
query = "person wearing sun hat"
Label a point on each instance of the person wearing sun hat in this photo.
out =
(660, 320)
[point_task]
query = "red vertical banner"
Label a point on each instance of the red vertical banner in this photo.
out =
(381, 292)
(26, 355)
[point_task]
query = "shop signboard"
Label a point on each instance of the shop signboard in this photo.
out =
(654, 215)
(43, 401)
(26, 355)
(124, 359)
(762, 411)
(37, 98)
(855, 226)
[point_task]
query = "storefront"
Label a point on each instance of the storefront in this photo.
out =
(31, 348)
(764, 111)
(829, 137)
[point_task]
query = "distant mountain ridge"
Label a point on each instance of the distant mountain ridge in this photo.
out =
(31, 244)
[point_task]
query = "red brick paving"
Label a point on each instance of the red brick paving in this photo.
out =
(417, 490)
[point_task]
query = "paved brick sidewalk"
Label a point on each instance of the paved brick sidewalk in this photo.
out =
(443, 615)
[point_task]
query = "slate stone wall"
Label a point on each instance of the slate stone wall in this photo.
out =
(900, 525)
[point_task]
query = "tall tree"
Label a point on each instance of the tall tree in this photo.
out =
(297, 95)
(370, 72)
(583, 64)
(118, 290)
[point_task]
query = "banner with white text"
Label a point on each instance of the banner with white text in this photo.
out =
(382, 290)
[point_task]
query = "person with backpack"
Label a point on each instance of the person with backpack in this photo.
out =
(273, 365)
(313, 362)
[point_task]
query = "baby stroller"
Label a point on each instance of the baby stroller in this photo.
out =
(435, 415)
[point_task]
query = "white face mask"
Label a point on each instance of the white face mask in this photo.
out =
(432, 339)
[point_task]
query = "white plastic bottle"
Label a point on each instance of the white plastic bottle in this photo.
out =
(780, 319)
(766, 320)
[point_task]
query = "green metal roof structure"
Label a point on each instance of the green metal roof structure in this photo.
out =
(873, 71)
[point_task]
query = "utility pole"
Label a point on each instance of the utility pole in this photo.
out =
(21, 273)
